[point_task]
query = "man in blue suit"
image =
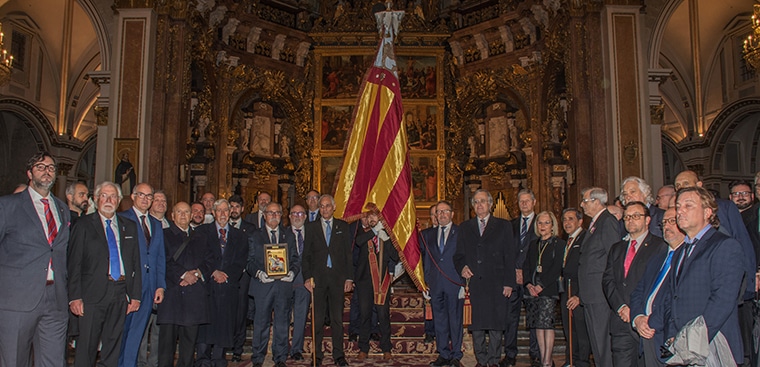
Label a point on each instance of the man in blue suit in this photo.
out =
(34, 233)
(150, 236)
(707, 282)
(443, 286)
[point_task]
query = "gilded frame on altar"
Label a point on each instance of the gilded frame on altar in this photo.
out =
(276, 260)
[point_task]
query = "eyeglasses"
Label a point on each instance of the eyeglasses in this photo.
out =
(42, 167)
(587, 200)
(482, 201)
(312, 197)
(274, 213)
(108, 197)
(141, 195)
(671, 221)
(740, 194)
(443, 211)
(635, 216)
(297, 214)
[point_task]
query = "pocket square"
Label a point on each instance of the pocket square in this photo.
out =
(338, 232)
(128, 237)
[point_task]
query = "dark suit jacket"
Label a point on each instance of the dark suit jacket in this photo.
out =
(88, 259)
(362, 270)
(315, 250)
(247, 227)
(593, 260)
(443, 277)
(551, 265)
(257, 259)
(644, 288)
(655, 224)
(618, 287)
(570, 271)
(750, 217)
(153, 258)
(491, 258)
(25, 253)
(254, 219)
(732, 225)
(529, 238)
(186, 305)
(709, 285)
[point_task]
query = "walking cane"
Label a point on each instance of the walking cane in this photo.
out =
(570, 325)
(313, 332)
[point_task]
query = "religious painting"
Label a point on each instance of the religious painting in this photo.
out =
(335, 123)
(342, 75)
(125, 161)
(329, 170)
(418, 76)
(421, 127)
(425, 174)
(276, 260)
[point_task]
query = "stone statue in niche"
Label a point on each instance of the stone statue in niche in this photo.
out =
(229, 29)
(512, 135)
(529, 29)
(216, 16)
(554, 131)
(473, 144)
(507, 38)
(261, 131)
(302, 52)
(246, 135)
(253, 39)
(284, 146)
(277, 46)
(498, 140)
(203, 123)
(540, 14)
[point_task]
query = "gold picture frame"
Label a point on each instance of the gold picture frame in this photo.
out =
(276, 260)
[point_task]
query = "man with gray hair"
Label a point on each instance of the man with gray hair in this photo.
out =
(636, 189)
(603, 232)
(229, 254)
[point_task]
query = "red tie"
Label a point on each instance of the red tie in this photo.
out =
(629, 257)
(52, 227)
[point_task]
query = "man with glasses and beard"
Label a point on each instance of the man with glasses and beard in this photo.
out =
(102, 293)
(34, 233)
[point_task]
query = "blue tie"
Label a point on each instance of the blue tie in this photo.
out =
(658, 281)
(262, 222)
(274, 236)
(442, 239)
(328, 233)
(113, 251)
(300, 241)
(523, 230)
(313, 216)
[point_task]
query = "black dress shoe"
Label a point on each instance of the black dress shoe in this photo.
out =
(341, 361)
(535, 362)
(318, 362)
(429, 338)
(455, 363)
(257, 364)
(297, 356)
(353, 337)
(439, 362)
(280, 364)
(374, 336)
(236, 357)
(507, 362)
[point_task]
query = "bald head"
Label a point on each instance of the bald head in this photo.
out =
(687, 178)
(181, 215)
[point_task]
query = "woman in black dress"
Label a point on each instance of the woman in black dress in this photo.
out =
(543, 267)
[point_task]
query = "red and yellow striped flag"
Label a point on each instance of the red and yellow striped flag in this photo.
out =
(376, 167)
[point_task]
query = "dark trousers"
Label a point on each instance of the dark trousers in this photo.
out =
(746, 324)
(514, 305)
(447, 315)
(44, 327)
(430, 326)
(328, 295)
(209, 355)
(598, 327)
(355, 317)
(581, 347)
(625, 343)
(148, 355)
(301, 302)
(651, 353)
(167, 343)
(241, 319)
(366, 304)
(102, 322)
(271, 298)
(487, 353)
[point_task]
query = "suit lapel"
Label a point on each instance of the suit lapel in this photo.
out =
(698, 249)
(31, 212)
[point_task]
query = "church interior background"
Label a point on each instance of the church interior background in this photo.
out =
(239, 96)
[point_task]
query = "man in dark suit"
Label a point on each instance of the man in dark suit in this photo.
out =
(374, 251)
(328, 273)
(312, 203)
(707, 281)
(741, 194)
(572, 223)
(486, 251)
(229, 249)
(150, 236)
(77, 196)
(524, 228)
(185, 306)
(430, 324)
(603, 232)
(257, 217)
(444, 284)
(636, 189)
(272, 295)
(646, 302)
(301, 296)
(34, 232)
(245, 306)
(102, 293)
(625, 267)
(732, 225)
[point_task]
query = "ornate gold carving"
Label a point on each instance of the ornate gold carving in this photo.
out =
(631, 151)
(454, 180)
(64, 168)
(263, 171)
(101, 115)
(657, 113)
(496, 171)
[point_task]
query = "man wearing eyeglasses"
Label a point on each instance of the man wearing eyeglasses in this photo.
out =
(625, 267)
(105, 281)
(34, 232)
(150, 237)
(603, 232)
(741, 195)
(271, 295)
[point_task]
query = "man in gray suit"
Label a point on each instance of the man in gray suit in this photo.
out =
(603, 232)
(34, 233)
